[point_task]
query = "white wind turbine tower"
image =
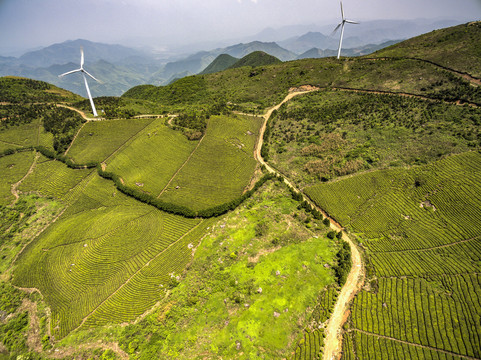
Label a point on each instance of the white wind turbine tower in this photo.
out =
(341, 24)
(83, 71)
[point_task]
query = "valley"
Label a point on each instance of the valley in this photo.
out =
(295, 210)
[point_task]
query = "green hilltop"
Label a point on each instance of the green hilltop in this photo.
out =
(156, 231)
(458, 48)
(220, 63)
(22, 90)
(255, 59)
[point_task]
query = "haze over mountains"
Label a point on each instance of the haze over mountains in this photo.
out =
(120, 68)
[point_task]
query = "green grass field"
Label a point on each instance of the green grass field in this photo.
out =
(419, 229)
(99, 139)
(221, 167)
(22, 90)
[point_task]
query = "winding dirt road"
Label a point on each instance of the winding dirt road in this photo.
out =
(355, 279)
(80, 112)
(14, 187)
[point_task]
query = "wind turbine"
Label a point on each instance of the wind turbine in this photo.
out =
(341, 24)
(83, 71)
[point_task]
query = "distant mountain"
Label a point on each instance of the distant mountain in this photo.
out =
(118, 67)
(116, 79)
(316, 53)
(257, 58)
(367, 32)
(300, 44)
(357, 51)
(69, 51)
(198, 62)
(190, 65)
(220, 63)
(271, 48)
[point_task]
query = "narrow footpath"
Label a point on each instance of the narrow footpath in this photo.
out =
(355, 279)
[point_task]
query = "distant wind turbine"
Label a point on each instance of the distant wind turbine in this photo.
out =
(83, 71)
(341, 25)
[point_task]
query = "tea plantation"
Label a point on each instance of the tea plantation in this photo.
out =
(419, 229)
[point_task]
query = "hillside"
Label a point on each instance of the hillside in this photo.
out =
(257, 58)
(458, 48)
(220, 63)
(197, 62)
(22, 90)
(291, 210)
(68, 51)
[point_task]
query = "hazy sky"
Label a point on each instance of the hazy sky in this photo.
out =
(33, 23)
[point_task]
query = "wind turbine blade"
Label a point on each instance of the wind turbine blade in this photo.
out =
(337, 28)
(90, 75)
(340, 41)
(342, 11)
(70, 72)
(89, 95)
(81, 57)
(352, 22)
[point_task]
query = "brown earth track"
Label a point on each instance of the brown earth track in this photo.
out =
(82, 114)
(355, 279)
(30, 170)
(409, 95)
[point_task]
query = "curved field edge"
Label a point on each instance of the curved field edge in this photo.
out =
(140, 195)
(221, 167)
(85, 273)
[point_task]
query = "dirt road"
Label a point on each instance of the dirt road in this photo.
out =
(355, 279)
(82, 114)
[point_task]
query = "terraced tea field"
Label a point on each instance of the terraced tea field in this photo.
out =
(99, 139)
(31, 134)
(220, 168)
(12, 169)
(109, 258)
(157, 152)
(101, 272)
(420, 232)
(53, 178)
